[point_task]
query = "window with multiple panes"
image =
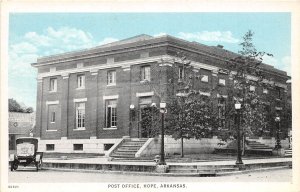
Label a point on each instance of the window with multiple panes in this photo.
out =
(204, 78)
(80, 81)
(111, 113)
(53, 84)
(111, 77)
(80, 115)
(145, 73)
(180, 73)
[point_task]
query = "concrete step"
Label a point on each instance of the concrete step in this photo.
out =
(122, 156)
(138, 139)
(131, 145)
(200, 167)
(191, 171)
(127, 149)
(132, 160)
(212, 170)
(125, 152)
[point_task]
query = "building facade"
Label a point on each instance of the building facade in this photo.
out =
(84, 97)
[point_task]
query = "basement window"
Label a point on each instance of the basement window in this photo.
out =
(50, 147)
(107, 146)
(78, 147)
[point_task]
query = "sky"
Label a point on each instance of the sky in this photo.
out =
(33, 35)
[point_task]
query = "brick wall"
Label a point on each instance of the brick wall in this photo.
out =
(128, 84)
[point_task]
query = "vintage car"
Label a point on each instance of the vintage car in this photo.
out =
(26, 154)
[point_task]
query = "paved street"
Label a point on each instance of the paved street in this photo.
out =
(47, 176)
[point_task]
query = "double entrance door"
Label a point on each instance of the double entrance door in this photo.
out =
(147, 118)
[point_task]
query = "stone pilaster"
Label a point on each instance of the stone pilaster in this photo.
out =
(64, 105)
(39, 99)
(92, 102)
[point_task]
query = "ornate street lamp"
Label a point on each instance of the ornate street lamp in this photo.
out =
(153, 106)
(239, 154)
(163, 110)
(277, 120)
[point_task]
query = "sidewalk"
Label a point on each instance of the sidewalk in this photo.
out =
(103, 160)
(186, 169)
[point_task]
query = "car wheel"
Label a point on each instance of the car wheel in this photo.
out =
(14, 166)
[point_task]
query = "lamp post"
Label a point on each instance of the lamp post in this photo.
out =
(131, 107)
(162, 146)
(277, 120)
(239, 154)
(153, 106)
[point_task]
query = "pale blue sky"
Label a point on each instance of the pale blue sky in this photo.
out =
(36, 35)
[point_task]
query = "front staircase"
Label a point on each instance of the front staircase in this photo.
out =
(128, 149)
(251, 147)
(254, 145)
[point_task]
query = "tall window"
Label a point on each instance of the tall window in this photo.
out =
(278, 92)
(221, 112)
(145, 70)
(111, 113)
(53, 84)
(180, 73)
(80, 81)
(52, 117)
(80, 115)
(111, 77)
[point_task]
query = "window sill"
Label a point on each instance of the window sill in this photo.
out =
(80, 88)
(51, 130)
(54, 91)
(52, 122)
(79, 129)
(110, 128)
(111, 85)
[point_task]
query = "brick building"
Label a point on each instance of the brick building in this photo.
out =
(83, 97)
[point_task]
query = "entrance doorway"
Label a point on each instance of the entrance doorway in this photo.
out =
(145, 116)
(146, 122)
